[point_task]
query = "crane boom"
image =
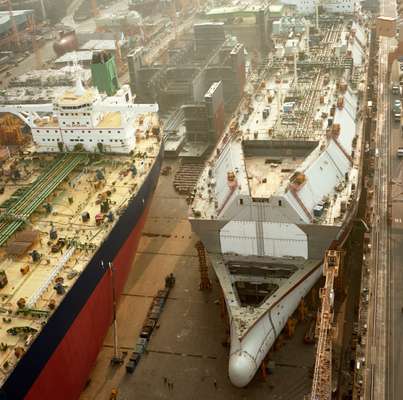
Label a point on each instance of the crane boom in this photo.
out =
(14, 28)
(322, 378)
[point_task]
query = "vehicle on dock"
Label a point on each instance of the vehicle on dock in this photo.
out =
(395, 88)
(396, 110)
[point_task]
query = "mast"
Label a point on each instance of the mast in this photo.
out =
(116, 359)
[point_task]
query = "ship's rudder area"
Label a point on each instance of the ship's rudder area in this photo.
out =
(260, 297)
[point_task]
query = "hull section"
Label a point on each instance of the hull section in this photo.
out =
(248, 353)
(82, 342)
(60, 359)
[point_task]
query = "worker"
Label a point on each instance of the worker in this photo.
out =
(171, 280)
(114, 394)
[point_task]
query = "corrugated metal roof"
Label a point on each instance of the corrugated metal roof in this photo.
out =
(101, 44)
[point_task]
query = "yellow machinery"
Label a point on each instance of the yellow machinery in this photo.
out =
(10, 130)
(322, 379)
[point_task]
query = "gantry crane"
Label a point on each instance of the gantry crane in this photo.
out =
(322, 379)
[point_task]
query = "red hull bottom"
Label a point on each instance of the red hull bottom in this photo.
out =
(67, 371)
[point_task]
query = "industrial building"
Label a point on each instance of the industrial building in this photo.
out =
(250, 23)
(194, 128)
(191, 70)
(202, 77)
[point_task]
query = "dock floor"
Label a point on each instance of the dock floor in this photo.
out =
(187, 348)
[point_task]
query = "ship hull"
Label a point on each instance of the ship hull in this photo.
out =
(248, 353)
(59, 361)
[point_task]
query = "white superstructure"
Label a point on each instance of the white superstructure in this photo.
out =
(283, 185)
(83, 118)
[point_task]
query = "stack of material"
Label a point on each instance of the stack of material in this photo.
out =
(22, 242)
(150, 323)
(186, 177)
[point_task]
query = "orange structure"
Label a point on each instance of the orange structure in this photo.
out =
(10, 130)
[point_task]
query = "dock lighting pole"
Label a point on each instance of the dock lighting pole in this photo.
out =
(116, 359)
(43, 10)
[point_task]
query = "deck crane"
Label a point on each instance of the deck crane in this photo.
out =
(94, 8)
(36, 49)
(322, 378)
(14, 28)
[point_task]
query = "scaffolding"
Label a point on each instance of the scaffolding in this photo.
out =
(322, 379)
(10, 130)
(205, 282)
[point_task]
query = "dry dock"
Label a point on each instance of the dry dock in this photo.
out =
(187, 348)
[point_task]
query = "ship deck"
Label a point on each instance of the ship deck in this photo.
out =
(111, 120)
(266, 174)
(29, 297)
(287, 124)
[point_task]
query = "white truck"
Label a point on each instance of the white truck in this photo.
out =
(395, 88)
(396, 110)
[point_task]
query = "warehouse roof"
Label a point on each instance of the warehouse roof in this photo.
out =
(75, 56)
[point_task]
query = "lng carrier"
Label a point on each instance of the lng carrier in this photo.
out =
(282, 185)
(73, 201)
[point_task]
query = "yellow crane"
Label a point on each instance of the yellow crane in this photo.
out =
(322, 378)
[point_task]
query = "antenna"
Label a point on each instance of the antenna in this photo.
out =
(79, 90)
(116, 359)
